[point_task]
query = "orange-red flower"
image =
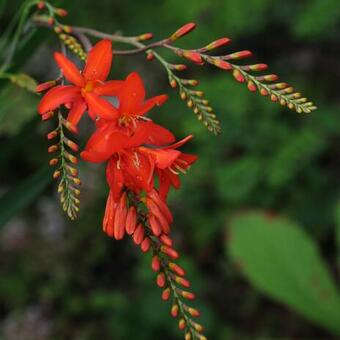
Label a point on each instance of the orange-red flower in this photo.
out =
(87, 86)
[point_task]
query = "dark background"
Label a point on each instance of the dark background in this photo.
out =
(67, 280)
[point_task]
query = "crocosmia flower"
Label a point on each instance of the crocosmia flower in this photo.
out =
(86, 88)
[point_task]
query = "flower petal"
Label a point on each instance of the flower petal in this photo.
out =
(115, 179)
(69, 69)
(109, 88)
(110, 209)
(150, 103)
(132, 94)
(76, 112)
(179, 143)
(98, 63)
(101, 107)
(58, 95)
(159, 135)
(163, 157)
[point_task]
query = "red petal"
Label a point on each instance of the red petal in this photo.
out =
(159, 135)
(108, 221)
(161, 203)
(94, 157)
(163, 157)
(131, 221)
(76, 112)
(101, 107)
(110, 88)
(69, 69)
(58, 95)
(132, 94)
(179, 143)
(150, 103)
(115, 179)
(99, 61)
(164, 184)
(140, 168)
(120, 218)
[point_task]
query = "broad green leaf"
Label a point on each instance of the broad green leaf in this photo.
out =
(280, 260)
(13, 201)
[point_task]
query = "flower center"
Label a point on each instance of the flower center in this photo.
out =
(89, 86)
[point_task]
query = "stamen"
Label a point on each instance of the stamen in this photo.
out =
(173, 170)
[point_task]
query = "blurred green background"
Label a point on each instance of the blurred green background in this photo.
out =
(258, 218)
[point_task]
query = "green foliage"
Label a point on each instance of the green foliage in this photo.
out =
(279, 259)
(12, 202)
(266, 157)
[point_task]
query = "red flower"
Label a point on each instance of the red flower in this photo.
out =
(87, 86)
(132, 103)
(169, 162)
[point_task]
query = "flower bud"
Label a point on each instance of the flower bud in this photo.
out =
(182, 31)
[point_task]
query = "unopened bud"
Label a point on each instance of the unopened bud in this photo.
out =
(184, 30)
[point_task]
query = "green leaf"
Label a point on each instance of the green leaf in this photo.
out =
(280, 260)
(13, 201)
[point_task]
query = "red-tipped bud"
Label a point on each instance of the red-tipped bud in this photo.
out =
(166, 294)
(273, 98)
(156, 263)
(224, 65)
(155, 225)
(176, 268)
(187, 295)
(169, 251)
(197, 326)
(52, 134)
(58, 29)
(61, 12)
(193, 56)
(180, 67)
(184, 30)
(238, 76)
(263, 92)
(161, 280)
(48, 115)
(188, 336)
(76, 180)
(165, 239)
(138, 235)
(45, 86)
(131, 221)
(181, 323)
(67, 29)
(41, 4)
(258, 67)
(238, 55)
(145, 245)
(53, 148)
(73, 171)
(53, 161)
(251, 86)
(270, 77)
(150, 56)
(183, 282)
(50, 21)
(72, 145)
(174, 310)
(70, 157)
(192, 311)
(173, 83)
(70, 126)
(145, 36)
(56, 174)
(217, 43)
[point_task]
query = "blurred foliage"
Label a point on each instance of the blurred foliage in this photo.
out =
(62, 280)
(279, 259)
